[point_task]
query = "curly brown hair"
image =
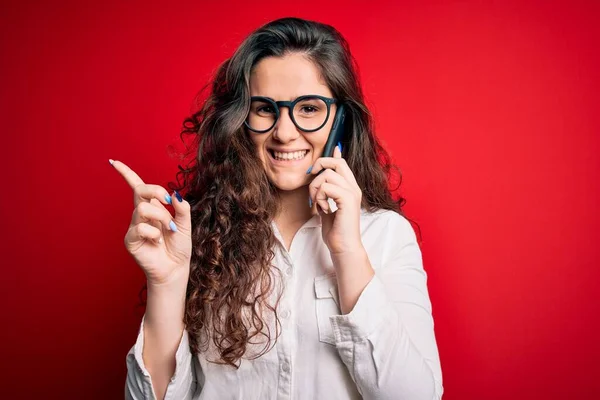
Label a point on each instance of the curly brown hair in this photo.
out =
(232, 200)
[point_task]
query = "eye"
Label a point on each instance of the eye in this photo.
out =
(265, 110)
(308, 109)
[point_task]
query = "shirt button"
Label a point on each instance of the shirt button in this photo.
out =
(285, 367)
(289, 271)
(285, 314)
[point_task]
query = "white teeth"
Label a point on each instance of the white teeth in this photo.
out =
(295, 155)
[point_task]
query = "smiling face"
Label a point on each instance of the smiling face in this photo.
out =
(285, 151)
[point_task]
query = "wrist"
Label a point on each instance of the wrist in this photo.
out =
(353, 252)
(348, 261)
(173, 282)
(172, 291)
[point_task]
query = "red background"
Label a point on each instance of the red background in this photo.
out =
(490, 108)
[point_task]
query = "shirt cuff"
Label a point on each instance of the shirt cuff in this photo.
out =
(366, 316)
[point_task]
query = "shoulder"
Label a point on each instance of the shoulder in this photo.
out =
(386, 234)
(389, 222)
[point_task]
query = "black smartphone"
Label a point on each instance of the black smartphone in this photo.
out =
(337, 131)
(335, 136)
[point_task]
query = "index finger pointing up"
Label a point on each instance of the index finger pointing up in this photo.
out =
(140, 194)
(131, 177)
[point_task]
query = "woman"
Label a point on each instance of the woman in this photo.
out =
(257, 289)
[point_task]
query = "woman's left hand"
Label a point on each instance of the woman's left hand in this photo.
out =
(341, 230)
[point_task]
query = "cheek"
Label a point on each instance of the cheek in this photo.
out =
(319, 139)
(258, 142)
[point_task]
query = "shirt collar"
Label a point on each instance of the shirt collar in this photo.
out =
(315, 221)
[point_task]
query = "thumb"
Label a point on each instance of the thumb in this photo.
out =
(326, 219)
(182, 219)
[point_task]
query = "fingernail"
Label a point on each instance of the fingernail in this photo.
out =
(309, 169)
(168, 199)
(309, 201)
(173, 226)
(340, 146)
(179, 198)
(111, 161)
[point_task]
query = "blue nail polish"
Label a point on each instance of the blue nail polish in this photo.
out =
(310, 202)
(309, 169)
(172, 226)
(179, 198)
(340, 146)
(168, 199)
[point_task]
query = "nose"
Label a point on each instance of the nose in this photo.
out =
(285, 130)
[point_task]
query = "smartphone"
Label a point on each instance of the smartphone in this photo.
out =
(337, 131)
(335, 136)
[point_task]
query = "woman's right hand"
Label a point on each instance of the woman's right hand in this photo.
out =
(163, 254)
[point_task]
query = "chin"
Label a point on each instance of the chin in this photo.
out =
(289, 184)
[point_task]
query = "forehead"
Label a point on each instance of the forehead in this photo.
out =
(285, 78)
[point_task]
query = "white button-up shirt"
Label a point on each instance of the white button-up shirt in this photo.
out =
(385, 348)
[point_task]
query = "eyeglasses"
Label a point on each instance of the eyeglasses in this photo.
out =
(309, 113)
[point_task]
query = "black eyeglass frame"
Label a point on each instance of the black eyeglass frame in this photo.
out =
(290, 105)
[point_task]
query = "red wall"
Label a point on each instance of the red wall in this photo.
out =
(491, 110)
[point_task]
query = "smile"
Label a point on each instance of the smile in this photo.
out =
(288, 156)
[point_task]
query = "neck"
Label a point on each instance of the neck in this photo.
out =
(294, 207)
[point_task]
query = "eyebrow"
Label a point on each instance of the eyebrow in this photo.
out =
(307, 94)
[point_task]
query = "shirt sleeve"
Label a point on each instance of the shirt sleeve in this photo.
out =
(387, 341)
(183, 383)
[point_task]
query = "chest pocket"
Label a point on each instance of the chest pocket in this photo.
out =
(326, 305)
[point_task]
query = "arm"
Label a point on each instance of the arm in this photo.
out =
(160, 364)
(387, 340)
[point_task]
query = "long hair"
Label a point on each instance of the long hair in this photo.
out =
(233, 203)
